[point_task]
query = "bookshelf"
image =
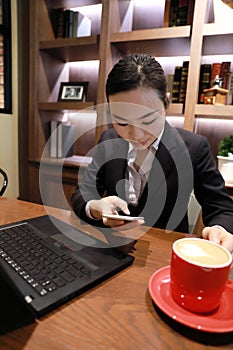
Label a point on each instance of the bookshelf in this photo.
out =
(118, 28)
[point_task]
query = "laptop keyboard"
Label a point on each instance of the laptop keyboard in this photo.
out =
(45, 268)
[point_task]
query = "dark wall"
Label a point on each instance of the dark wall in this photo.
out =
(23, 88)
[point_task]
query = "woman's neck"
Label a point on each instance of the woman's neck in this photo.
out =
(140, 157)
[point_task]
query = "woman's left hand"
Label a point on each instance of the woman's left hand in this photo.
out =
(219, 235)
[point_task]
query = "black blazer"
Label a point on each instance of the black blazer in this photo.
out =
(183, 162)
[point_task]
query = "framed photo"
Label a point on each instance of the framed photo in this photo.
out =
(71, 91)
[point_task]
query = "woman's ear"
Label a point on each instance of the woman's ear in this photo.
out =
(167, 100)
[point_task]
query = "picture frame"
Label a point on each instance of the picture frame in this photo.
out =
(73, 91)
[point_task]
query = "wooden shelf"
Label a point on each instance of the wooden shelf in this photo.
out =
(222, 112)
(175, 109)
(75, 161)
(66, 49)
(217, 29)
(79, 161)
(167, 40)
(151, 34)
(64, 106)
(72, 3)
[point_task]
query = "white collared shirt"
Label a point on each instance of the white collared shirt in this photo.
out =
(138, 179)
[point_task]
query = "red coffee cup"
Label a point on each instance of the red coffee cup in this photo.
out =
(199, 273)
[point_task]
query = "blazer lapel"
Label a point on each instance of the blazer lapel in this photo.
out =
(163, 155)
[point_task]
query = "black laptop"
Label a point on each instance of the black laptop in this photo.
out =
(45, 267)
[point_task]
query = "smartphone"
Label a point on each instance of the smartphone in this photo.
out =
(123, 217)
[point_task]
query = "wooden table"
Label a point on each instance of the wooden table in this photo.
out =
(118, 314)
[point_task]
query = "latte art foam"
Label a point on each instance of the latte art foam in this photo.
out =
(201, 252)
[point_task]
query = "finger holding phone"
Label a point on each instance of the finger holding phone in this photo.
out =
(107, 209)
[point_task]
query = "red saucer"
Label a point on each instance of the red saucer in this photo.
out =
(220, 321)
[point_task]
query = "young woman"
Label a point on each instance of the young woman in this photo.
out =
(144, 167)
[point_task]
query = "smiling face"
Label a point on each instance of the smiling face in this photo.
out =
(138, 116)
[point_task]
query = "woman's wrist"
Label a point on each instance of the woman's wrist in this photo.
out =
(92, 214)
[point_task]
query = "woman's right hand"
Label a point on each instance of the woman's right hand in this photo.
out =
(109, 205)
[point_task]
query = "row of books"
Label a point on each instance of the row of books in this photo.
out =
(178, 12)
(69, 23)
(61, 139)
(209, 72)
(177, 82)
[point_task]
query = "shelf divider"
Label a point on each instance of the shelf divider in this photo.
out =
(64, 106)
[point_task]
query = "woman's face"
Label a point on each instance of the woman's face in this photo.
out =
(138, 116)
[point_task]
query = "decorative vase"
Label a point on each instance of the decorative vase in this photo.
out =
(225, 166)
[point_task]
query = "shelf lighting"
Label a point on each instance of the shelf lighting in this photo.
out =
(227, 122)
(84, 64)
(213, 124)
(145, 3)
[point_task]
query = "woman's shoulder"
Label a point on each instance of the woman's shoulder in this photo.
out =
(186, 134)
(192, 137)
(193, 142)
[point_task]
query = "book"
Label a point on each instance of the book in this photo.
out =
(191, 5)
(61, 139)
(65, 140)
(56, 16)
(75, 24)
(204, 81)
(215, 70)
(66, 18)
(183, 81)
(170, 79)
(224, 74)
(182, 13)
(173, 13)
(71, 24)
(82, 25)
(66, 23)
(176, 84)
(229, 100)
(53, 139)
(166, 17)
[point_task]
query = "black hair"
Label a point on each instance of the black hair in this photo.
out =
(137, 70)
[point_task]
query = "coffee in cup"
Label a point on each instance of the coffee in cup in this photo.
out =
(199, 273)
